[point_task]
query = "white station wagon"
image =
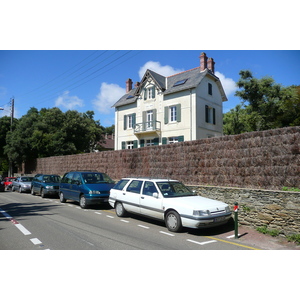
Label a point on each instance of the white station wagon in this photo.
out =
(167, 200)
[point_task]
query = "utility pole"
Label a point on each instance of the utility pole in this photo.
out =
(12, 108)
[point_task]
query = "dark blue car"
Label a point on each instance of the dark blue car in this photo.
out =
(86, 187)
(45, 185)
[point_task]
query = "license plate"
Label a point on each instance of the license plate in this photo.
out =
(220, 219)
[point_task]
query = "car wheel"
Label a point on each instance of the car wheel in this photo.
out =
(62, 198)
(20, 190)
(82, 202)
(173, 221)
(42, 193)
(13, 189)
(120, 210)
(32, 191)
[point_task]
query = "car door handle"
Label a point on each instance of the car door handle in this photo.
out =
(124, 193)
(143, 197)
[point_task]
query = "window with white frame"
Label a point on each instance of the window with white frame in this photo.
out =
(173, 140)
(129, 145)
(149, 143)
(149, 93)
(129, 121)
(173, 113)
(149, 119)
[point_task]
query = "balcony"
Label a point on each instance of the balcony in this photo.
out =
(147, 127)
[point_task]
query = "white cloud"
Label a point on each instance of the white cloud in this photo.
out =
(158, 68)
(109, 94)
(68, 102)
(228, 84)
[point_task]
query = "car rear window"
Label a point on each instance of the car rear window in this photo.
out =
(120, 185)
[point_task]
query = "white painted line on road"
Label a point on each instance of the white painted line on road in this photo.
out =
(110, 217)
(78, 207)
(23, 229)
(5, 214)
(202, 243)
(98, 213)
(35, 241)
(167, 233)
(125, 221)
(70, 205)
(144, 226)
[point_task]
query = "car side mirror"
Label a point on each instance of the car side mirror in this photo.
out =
(155, 195)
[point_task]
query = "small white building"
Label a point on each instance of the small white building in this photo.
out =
(162, 110)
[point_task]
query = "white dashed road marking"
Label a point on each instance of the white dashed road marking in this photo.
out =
(23, 229)
(167, 233)
(201, 243)
(35, 241)
(146, 227)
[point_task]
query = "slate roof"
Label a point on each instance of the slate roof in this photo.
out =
(193, 78)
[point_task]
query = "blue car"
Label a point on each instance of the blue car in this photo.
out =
(45, 185)
(86, 187)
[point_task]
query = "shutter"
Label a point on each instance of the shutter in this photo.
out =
(144, 120)
(164, 141)
(142, 143)
(181, 138)
(154, 118)
(206, 113)
(214, 116)
(135, 144)
(153, 92)
(166, 114)
(156, 141)
(123, 145)
(178, 112)
(133, 120)
(125, 122)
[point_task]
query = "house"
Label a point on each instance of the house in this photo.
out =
(163, 110)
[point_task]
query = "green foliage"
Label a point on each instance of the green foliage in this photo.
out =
(50, 132)
(290, 189)
(265, 230)
(294, 238)
(265, 105)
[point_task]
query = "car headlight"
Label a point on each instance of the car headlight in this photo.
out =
(227, 209)
(201, 212)
(49, 187)
(95, 192)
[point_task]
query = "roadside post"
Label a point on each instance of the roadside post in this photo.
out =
(236, 208)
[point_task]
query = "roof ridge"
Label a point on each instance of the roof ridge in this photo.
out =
(183, 72)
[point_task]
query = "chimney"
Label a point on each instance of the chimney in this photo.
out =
(137, 84)
(211, 65)
(128, 85)
(203, 61)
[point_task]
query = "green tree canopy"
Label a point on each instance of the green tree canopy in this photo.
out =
(265, 105)
(50, 132)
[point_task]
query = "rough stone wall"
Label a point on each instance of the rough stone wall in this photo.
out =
(266, 159)
(275, 209)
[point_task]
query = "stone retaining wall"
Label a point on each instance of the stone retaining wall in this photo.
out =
(275, 209)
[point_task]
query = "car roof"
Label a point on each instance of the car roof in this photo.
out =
(152, 179)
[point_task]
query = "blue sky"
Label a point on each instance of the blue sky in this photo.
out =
(94, 80)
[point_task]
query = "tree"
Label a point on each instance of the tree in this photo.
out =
(50, 132)
(265, 105)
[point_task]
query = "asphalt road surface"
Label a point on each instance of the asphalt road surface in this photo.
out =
(32, 223)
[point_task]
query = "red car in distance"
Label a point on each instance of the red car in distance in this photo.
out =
(8, 182)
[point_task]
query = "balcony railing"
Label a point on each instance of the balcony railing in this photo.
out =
(146, 127)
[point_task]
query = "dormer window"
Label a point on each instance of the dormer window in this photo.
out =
(149, 93)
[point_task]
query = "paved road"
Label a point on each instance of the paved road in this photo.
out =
(30, 222)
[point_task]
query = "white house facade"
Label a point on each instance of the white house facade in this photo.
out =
(162, 110)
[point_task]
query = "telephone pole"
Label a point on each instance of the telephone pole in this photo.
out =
(12, 108)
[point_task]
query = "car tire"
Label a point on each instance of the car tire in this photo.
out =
(13, 189)
(173, 221)
(42, 193)
(32, 191)
(62, 199)
(20, 190)
(82, 202)
(120, 210)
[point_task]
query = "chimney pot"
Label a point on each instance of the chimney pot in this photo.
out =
(211, 65)
(203, 61)
(128, 85)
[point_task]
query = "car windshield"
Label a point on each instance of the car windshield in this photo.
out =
(92, 178)
(26, 179)
(174, 189)
(51, 178)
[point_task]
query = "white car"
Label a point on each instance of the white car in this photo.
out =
(167, 200)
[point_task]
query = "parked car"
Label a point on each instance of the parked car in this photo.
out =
(45, 185)
(22, 184)
(8, 182)
(86, 187)
(167, 200)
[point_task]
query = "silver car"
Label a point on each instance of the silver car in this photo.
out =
(22, 184)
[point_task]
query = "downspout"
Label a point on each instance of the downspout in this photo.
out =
(191, 112)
